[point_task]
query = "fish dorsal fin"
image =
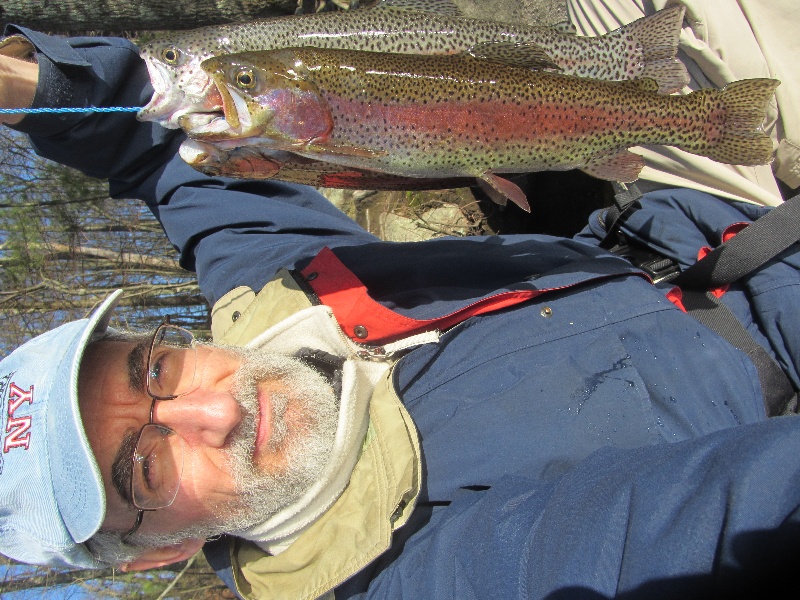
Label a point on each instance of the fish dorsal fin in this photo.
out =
(440, 7)
(565, 27)
(517, 54)
(645, 84)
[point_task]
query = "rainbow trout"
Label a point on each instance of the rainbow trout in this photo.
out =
(458, 116)
(644, 48)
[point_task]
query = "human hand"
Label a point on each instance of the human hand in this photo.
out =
(19, 76)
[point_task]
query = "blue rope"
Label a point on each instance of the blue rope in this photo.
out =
(71, 110)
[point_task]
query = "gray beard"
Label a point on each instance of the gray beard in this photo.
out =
(305, 442)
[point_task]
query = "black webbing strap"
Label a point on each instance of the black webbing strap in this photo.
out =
(780, 397)
(752, 247)
(626, 200)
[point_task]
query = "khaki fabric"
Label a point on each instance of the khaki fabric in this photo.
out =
(723, 41)
(383, 487)
(358, 528)
(237, 318)
(18, 46)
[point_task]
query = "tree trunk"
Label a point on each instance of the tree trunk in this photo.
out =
(141, 302)
(164, 264)
(50, 579)
(78, 16)
(114, 258)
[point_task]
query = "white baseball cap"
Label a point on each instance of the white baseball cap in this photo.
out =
(51, 491)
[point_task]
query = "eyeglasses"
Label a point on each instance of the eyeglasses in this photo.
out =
(157, 460)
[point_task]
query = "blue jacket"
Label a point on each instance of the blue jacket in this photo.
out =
(593, 441)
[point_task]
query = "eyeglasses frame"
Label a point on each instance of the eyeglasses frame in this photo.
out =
(141, 511)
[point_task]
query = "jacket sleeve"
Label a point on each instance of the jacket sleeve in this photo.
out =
(712, 517)
(231, 232)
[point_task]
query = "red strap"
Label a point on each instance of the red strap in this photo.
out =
(365, 320)
(675, 295)
(730, 231)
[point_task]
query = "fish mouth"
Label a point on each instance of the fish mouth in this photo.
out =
(230, 121)
(171, 102)
(204, 125)
(198, 154)
(166, 97)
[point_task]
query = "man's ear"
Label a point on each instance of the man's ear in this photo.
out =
(158, 557)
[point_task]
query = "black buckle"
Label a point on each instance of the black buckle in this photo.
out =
(658, 267)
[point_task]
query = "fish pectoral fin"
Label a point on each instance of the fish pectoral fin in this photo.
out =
(621, 166)
(333, 149)
(515, 54)
(502, 190)
(445, 8)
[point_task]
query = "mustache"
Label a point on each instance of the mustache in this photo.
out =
(245, 392)
(297, 382)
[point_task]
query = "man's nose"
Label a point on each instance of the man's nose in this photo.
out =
(200, 417)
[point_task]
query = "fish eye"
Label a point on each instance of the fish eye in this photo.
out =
(170, 55)
(245, 79)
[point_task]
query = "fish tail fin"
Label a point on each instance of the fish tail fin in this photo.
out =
(657, 35)
(743, 141)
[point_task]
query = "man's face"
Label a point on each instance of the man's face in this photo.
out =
(258, 430)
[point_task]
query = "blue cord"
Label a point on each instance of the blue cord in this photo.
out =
(70, 110)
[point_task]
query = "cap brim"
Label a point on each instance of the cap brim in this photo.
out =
(81, 494)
